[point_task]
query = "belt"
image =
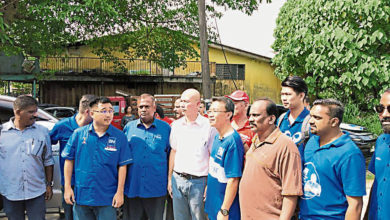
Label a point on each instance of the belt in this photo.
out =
(188, 176)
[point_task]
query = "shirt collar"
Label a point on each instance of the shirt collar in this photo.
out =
(139, 123)
(301, 117)
(342, 140)
(198, 120)
(269, 140)
(109, 131)
(73, 122)
(10, 125)
(386, 138)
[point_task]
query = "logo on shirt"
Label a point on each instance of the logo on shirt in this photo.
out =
(157, 136)
(311, 182)
(296, 138)
(220, 152)
(111, 144)
(84, 140)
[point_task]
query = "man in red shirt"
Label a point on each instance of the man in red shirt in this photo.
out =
(240, 119)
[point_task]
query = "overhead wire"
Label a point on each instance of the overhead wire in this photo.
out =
(224, 54)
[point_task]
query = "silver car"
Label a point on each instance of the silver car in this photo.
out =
(47, 120)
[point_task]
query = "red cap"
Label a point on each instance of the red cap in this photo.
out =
(239, 95)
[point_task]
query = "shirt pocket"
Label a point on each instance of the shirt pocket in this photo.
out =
(110, 158)
(35, 147)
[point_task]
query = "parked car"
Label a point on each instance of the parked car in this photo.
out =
(47, 120)
(61, 112)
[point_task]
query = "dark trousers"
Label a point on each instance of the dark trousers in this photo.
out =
(35, 208)
(68, 209)
(134, 208)
(169, 209)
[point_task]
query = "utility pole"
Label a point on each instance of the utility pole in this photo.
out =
(204, 51)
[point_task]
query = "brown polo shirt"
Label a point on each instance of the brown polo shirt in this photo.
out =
(272, 170)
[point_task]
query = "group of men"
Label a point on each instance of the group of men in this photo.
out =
(219, 165)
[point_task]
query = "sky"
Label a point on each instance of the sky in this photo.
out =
(251, 33)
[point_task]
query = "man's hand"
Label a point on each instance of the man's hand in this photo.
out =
(69, 195)
(49, 193)
(169, 188)
(222, 217)
(117, 201)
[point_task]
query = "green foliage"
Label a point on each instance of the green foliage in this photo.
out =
(160, 31)
(341, 48)
(367, 119)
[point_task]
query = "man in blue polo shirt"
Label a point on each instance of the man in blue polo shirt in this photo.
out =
(378, 207)
(147, 178)
(294, 122)
(334, 168)
(225, 165)
(99, 153)
(62, 131)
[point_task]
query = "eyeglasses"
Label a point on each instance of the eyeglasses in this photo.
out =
(105, 111)
(213, 111)
(380, 109)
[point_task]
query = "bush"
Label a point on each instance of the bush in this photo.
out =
(368, 119)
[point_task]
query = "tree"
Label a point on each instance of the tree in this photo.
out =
(341, 48)
(161, 31)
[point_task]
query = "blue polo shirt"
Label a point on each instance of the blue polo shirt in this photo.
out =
(61, 132)
(96, 163)
(148, 176)
(380, 191)
(226, 161)
(294, 131)
(331, 173)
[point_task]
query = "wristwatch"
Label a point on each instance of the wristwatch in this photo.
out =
(51, 183)
(224, 212)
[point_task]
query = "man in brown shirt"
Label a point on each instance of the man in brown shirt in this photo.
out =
(271, 182)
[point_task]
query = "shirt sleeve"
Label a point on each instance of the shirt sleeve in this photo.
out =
(234, 159)
(70, 148)
(54, 134)
(172, 137)
(291, 172)
(213, 132)
(126, 156)
(353, 175)
(371, 166)
(48, 156)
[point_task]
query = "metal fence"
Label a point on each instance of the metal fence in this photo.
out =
(75, 65)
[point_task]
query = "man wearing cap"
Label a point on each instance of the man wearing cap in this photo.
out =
(240, 119)
(378, 207)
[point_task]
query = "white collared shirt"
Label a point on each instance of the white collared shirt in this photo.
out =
(192, 142)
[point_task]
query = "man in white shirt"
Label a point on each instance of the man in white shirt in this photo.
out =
(191, 140)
